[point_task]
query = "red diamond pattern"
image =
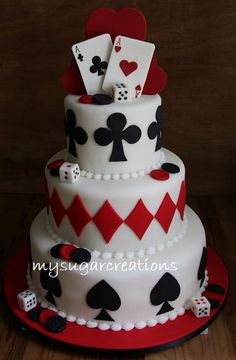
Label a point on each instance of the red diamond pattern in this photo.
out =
(166, 212)
(78, 215)
(57, 207)
(107, 221)
(181, 200)
(139, 219)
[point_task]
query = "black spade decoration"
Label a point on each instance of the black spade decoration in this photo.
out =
(202, 266)
(51, 284)
(166, 289)
(154, 129)
(116, 133)
(75, 133)
(98, 66)
(103, 296)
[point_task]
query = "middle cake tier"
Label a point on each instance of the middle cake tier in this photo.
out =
(126, 217)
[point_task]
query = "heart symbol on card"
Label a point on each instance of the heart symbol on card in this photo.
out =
(137, 90)
(117, 48)
(128, 67)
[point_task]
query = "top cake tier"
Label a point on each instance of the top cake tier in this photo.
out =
(114, 139)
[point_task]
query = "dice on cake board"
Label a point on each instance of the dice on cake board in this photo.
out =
(200, 306)
(69, 172)
(26, 300)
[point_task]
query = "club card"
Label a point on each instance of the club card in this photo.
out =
(92, 58)
(129, 63)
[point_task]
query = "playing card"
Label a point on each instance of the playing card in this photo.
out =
(129, 63)
(92, 58)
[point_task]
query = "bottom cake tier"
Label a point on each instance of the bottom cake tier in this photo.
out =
(119, 294)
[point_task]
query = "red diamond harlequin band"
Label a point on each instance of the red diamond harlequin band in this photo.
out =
(108, 220)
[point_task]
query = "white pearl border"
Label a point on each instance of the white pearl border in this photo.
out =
(161, 319)
(123, 176)
(119, 255)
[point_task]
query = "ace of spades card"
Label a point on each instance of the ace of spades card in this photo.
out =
(129, 63)
(92, 58)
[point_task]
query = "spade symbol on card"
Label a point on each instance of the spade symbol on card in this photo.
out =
(166, 289)
(202, 266)
(50, 283)
(103, 296)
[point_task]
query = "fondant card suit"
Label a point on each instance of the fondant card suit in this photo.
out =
(103, 296)
(116, 133)
(202, 266)
(130, 64)
(74, 133)
(50, 283)
(166, 289)
(127, 22)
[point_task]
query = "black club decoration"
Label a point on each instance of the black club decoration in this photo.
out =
(75, 133)
(50, 283)
(98, 66)
(116, 133)
(154, 129)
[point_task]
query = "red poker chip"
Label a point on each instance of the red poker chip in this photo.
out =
(45, 314)
(159, 174)
(55, 164)
(86, 99)
(66, 250)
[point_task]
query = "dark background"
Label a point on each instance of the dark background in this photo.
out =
(196, 45)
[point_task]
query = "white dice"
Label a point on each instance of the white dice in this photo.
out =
(121, 92)
(200, 306)
(26, 300)
(69, 172)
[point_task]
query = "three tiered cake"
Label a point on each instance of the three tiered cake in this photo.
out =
(116, 247)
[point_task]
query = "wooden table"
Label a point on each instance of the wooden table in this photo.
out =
(218, 215)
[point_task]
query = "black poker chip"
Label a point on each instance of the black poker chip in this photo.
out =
(102, 99)
(33, 314)
(55, 251)
(215, 288)
(170, 168)
(81, 255)
(214, 303)
(56, 324)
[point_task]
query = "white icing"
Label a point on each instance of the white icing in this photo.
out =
(124, 176)
(188, 252)
(129, 254)
(94, 158)
(161, 319)
(123, 196)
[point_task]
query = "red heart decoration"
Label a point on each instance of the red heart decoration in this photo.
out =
(128, 67)
(127, 22)
(117, 48)
(156, 79)
(72, 81)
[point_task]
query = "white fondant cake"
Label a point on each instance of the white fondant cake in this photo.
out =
(115, 247)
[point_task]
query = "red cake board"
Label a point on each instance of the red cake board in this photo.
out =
(159, 337)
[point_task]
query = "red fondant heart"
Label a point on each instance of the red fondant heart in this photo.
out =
(128, 67)
(127, 22)
(117, 48)
(72, 81)
(156, 79)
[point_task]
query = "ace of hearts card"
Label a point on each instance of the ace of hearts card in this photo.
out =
(129, 63)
